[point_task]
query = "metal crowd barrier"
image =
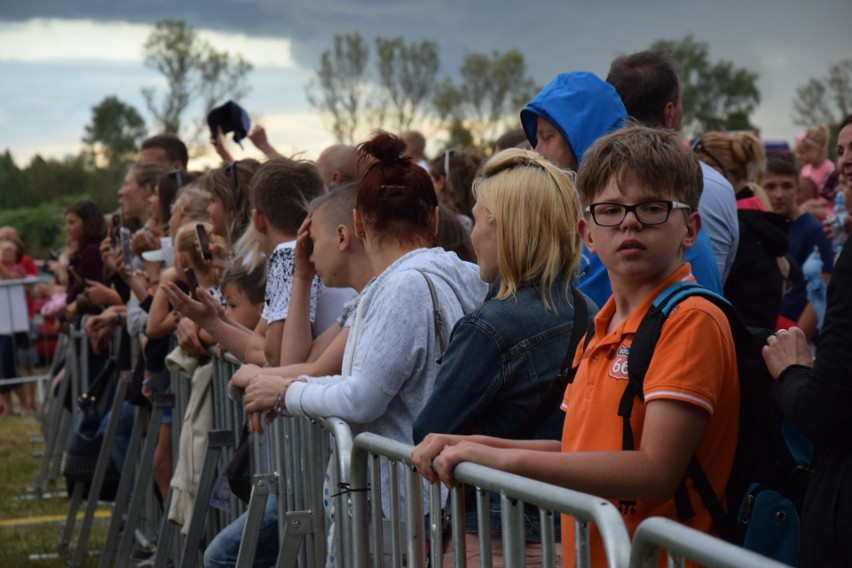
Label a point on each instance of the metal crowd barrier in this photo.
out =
(514, 491)
(294, 456)
(683, 543)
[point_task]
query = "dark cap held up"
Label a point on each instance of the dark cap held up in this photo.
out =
(230, 117)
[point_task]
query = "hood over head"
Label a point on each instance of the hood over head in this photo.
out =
(580, 105)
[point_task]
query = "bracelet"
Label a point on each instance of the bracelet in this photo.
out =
(280, 407)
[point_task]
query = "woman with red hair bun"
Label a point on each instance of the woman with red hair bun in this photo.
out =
(395, 341)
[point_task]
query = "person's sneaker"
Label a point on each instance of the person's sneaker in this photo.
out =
(139, 556)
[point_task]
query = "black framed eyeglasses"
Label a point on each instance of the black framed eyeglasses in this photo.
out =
(231, 170)
(648, 212)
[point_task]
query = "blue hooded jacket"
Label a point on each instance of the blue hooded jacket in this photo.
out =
(584, 108)
(580, 106)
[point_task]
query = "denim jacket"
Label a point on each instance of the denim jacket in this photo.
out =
(497, 377)
(499, 368)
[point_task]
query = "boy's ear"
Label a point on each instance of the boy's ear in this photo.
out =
(434, 223)
(693, 225)
(344, 237)
(259, 221)
(584, 228)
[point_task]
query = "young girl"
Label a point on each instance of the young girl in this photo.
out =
(162, 321)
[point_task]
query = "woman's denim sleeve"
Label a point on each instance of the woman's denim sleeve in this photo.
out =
(469, 376)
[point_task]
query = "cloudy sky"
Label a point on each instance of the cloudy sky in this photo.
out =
(59, 58)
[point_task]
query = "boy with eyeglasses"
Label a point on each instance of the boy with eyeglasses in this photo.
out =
(640, 187)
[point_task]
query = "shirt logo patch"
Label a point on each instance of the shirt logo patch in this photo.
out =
(618, 370)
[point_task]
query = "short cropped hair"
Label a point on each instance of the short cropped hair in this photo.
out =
(281, 190)
(415, 141)
(646, 82)
(340, 202)
(651, 157)
(782, 164)
(170, 144)
(535, 209)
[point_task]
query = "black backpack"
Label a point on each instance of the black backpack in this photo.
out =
(766, 487)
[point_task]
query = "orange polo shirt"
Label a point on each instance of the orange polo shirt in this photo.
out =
(694, 362)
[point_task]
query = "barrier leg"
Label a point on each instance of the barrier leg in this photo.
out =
(73, 507)
(143, 476)
(216, 440)
(165, 540)
(512, 516)
(123, 492)
(264, 485)
(100, 469)
(56, 423)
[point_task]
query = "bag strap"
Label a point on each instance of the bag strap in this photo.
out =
(436, 314)
(581, 316)
(566, 376)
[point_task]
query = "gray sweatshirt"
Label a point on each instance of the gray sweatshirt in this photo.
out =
(390, 359)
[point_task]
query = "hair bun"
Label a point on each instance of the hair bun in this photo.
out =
(385, 148)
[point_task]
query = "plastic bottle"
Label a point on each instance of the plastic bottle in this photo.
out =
(837, 220)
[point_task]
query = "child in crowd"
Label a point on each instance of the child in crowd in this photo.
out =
(326, 247)
(805, 235)
(815, 196)
(243, 289)
(641, 189)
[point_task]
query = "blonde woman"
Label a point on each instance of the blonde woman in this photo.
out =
(499, 373)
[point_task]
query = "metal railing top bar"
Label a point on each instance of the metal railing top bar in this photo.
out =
(581, 506)
(680, 540)
(342, 433)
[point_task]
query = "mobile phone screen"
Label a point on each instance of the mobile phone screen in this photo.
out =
(126, 250)
(203, 242)
(193, 281)
(114, 229)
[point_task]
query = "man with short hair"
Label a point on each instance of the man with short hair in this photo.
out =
(415, 147)
(166, 149)
(337, 165)
(650, 88)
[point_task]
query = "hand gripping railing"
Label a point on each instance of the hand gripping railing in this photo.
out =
(683, 543)
(512, 488)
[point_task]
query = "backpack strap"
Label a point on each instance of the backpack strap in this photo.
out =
(639, 359)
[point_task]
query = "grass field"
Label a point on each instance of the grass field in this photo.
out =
(33, 526)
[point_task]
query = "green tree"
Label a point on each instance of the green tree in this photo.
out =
(340, 90)
(13, 188)
(116, 130)
(491, 89)
(716, 95)
(407, 75)
(194, 71)
(827, 100)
